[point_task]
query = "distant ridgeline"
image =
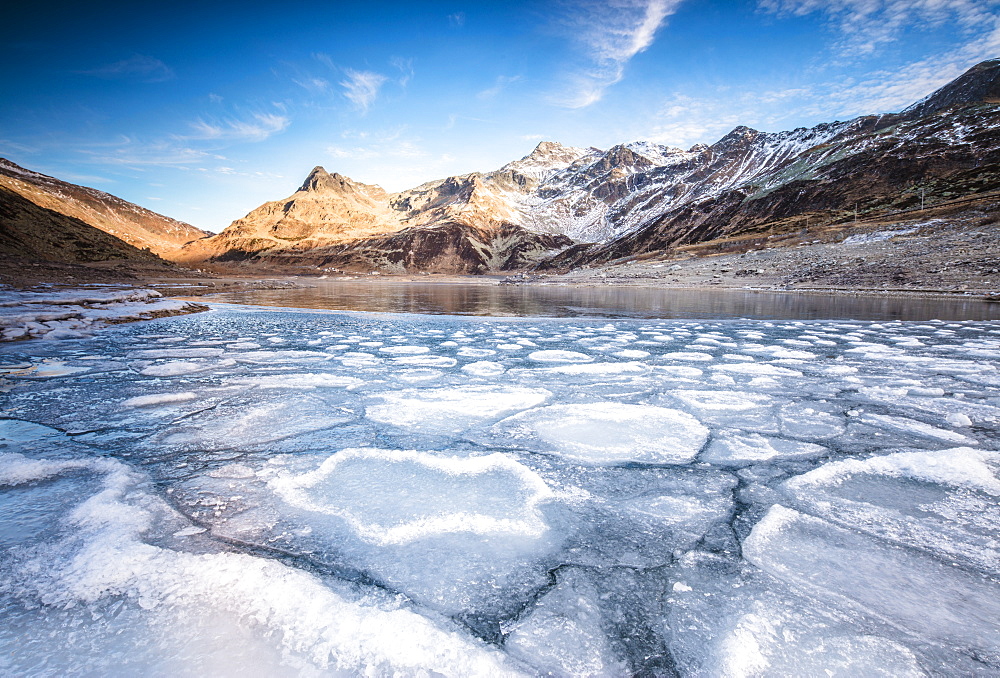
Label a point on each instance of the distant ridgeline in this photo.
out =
(562, 207)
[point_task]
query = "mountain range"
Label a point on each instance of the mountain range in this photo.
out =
(562, 207)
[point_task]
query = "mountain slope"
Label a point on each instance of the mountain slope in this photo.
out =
(326, 209)
(31, 232)
(128, 222)
(749, 182)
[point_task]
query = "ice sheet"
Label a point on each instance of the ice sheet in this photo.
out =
(405, 495)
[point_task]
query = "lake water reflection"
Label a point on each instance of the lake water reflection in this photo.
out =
(611, 302)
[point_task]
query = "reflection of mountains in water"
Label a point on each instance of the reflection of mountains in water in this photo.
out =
(620, 302)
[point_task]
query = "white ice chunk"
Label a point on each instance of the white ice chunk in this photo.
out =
(960, 467)
(159, 399)
(189, 531)
(557, 356)
(680, 371)
(419, 374)
(484, 368)
(265, 357)
(256, 424)
(959, 419)
(693, 356)
(564, 635)
(154, 353)
(299, 380)
(631, 354)
(692, 515)
(597, 369)
(732, 448)
(467, 352)
(756, 369)
(723, 401)
(404, 350)
(425, 361)
(913, 427)
(811, 421)
(372, 490)
(444, 410)
(174, 369)
(605, 433)
(908, 589)
(943, 501)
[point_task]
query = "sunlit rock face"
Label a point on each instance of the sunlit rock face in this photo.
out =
(71, 209)
(307, 493)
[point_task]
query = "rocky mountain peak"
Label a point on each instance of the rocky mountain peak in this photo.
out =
(550, 149)
(978, 85)
(623, 156)
(322, 182)
(319, 180)
(740, 138)
(546, 157)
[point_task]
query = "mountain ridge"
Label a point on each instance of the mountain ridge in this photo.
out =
(631, 199)
(135, 225)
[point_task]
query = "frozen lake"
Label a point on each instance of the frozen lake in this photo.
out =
(387, 296)
(274, 492)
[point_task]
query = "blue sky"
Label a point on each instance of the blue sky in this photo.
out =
(204, 112)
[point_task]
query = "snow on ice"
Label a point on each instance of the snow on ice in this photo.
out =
(310, 493)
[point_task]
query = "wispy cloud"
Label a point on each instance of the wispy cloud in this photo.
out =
(312, 84)
(405, 67)
(684, 119)
(380, 151)
(137, 68)
(377, 144)
(392, 158)
(456, 20)
(499, 85)
(361, 87)
(258, 127)
(611, 33)
(867, 25)
(138, 154)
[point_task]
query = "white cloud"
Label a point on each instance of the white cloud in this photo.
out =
(405, 67)
(611, 33)
(684, 120)
(136, 154)
(312, 84)
(867, 25)
(499, 85)
(257, 128)
(361, 87)
(456, 20)
(137, 68)
(382, 150)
